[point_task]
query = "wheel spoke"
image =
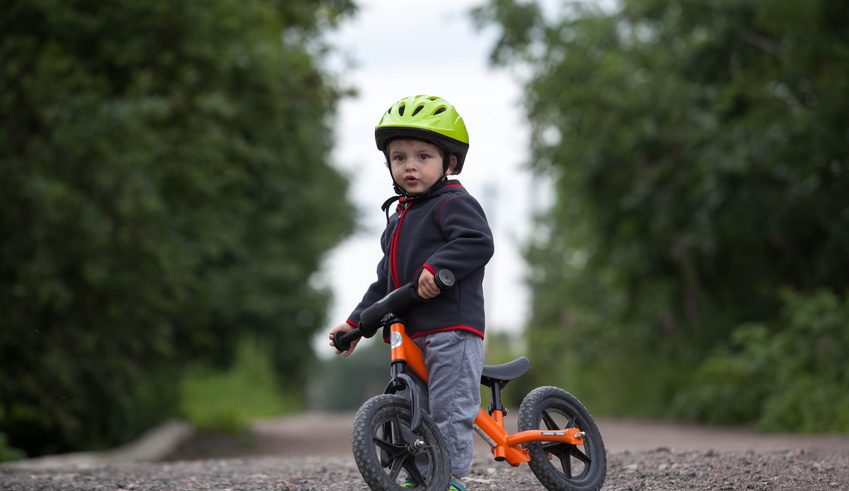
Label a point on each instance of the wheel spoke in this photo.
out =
(391, 445)
(396, 430)
(385, 444)
(398, 464)
(564, 452)
(566, 464)
(387, 431)
(575, 452)
(414, 471)
(388, 447)
(555, 448)
(549, 421)
(395, 454)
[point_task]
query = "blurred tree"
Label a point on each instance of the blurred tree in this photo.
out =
(699, 155)
(166, 190)
(343, 384)
(789, 374)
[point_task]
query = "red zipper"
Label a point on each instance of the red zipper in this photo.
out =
(393, 248)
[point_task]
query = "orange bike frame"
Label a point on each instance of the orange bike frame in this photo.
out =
(490, 426)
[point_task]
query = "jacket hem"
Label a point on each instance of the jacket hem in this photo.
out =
(471, 329)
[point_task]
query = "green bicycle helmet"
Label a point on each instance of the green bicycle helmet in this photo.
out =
(428, 118)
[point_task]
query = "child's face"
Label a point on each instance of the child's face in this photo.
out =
(416, 165)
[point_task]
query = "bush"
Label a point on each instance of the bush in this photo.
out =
(787, 376)
(343, 384)
(7, 452)
(227, 401)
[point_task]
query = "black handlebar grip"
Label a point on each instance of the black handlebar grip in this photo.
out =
(444, 279)
(342, 340)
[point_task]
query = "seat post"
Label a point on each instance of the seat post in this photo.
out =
(495, 404)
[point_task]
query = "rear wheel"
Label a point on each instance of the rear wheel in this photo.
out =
(387, 451)
(562, 466)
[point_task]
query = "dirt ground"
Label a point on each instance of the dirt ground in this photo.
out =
(330, 434)
(312, 452)
(641, 455)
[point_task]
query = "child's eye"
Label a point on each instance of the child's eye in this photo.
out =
(424, 156)
(398, 158)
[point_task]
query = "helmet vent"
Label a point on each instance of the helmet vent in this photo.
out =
(440, 110)
(418, 108)
(401, 110)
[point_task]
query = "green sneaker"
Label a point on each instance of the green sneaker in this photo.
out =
(409, 483)
(457, 486)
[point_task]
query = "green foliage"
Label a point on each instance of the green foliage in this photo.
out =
(788, 376)
(7, 452)
(343, 384)
(228, 400)
(698, 154)
(166, 191)
(502, 347)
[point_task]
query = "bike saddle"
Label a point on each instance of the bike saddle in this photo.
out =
(505, 372)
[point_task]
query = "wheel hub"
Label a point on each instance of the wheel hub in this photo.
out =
(418, 446)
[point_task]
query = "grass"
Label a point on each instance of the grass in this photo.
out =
(228, 400)
(7, 452)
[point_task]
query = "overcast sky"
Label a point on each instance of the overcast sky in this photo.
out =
(401, 48)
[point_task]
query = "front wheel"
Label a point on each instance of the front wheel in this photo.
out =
(562, 466)
(387, 452)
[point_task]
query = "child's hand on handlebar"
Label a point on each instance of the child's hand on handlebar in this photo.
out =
(427, 285)
(344, 327)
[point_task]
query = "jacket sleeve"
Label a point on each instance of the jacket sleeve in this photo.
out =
(469, 244)
(376, 290)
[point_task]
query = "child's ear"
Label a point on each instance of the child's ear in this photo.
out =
(452, 164)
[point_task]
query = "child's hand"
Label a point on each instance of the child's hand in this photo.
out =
(344, 327)
(427, 285)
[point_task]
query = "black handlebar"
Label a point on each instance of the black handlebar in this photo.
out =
(396, 303)
(342, 340)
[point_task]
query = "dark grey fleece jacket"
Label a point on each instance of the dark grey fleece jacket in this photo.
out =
(447, 229)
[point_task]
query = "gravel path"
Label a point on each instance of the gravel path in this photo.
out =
(312, 452)
(660, 469)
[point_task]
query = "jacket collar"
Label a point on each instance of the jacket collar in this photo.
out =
(404, 200)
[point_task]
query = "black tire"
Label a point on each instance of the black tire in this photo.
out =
(384, 446)
(571, 467)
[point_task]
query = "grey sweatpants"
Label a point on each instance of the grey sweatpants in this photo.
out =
(454, 361)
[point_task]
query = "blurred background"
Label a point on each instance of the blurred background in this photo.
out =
(191, 199)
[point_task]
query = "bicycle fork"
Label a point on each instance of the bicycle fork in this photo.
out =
(405, 353)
